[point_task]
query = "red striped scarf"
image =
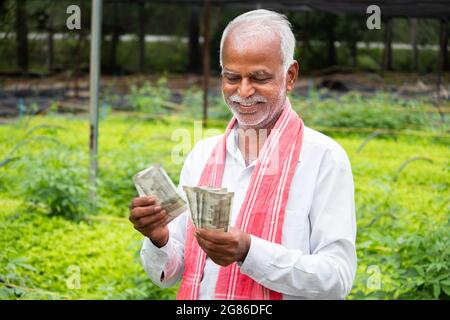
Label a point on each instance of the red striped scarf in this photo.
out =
(262, 211)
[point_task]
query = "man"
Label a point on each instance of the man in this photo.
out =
(293, 230)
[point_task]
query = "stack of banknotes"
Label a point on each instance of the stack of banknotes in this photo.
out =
(210, 207)
(154, 181)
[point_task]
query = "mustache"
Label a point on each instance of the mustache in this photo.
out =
(247, 101)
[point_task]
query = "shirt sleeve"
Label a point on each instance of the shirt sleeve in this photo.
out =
(328, 270)
(165, 265)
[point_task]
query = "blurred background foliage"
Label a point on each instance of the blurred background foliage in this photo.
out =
(401, 177)
(391, 119)
(324, 39)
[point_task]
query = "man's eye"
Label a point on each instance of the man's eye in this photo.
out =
(261, 79)
(232, 79)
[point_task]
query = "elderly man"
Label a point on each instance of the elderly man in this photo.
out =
(293, 230)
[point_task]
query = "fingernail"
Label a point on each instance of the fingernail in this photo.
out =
(157, 208)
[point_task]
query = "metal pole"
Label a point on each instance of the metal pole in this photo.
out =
(96, 25)
(206, 25)
(414, 55)
(141, 10)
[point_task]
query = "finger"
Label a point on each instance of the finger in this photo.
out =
(140, 212)
(166, 221)
(215, 236)
(203, 245)
(148, 220)
(210, 245)
(143, 201)
(219, 256)
(233, 230)
(154, 225)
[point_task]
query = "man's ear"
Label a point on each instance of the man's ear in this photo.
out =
(292, 75)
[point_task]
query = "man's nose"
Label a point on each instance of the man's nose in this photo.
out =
(246, 89)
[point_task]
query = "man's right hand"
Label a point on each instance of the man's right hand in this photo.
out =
(150, 219)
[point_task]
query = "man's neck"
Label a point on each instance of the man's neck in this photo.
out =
(252, 139)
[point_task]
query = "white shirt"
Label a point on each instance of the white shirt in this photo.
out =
(316, 258)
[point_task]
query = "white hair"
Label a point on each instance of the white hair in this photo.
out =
(271, 20)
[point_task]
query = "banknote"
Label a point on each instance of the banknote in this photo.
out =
(192, 202)
(210, 208)
(155, 181)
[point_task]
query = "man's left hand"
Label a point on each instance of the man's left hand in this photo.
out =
(224, 248)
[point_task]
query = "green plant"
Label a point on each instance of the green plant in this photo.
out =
(424, 263)
(57, 181)
(10, 275)
(402, 206)
(353, 110)
(150, 99)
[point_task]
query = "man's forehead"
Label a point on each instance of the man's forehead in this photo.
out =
(250, 35)
(259, 51)
(252, 31)
(256, 72)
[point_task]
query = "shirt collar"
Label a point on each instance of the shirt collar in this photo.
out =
(233, 149)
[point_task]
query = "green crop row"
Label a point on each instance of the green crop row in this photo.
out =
(54, 245)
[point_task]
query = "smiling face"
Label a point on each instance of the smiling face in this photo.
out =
(254, 82)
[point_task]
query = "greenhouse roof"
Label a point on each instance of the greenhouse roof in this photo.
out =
(391, 8)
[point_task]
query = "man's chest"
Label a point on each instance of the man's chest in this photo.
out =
(296, 224)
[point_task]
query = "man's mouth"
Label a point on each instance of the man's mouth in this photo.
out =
(248, 109)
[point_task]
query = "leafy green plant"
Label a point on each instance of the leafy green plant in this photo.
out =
(356, 111)
(56, 180)
(402, 207)
(424, 264)
(408, 248)
(193, 99)
(148, 98)
(16, 286)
